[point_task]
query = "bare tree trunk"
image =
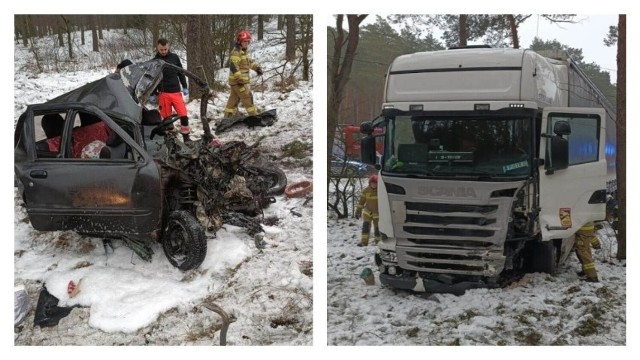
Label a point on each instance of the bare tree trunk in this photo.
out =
(82, 30)
(280, 22)
(68, 31)
(291, 37)
(621, 147)
(99, 18)
(124, 24)
(463, 34)
(234, 26)
(249, 21)
(200, 57)
(306, 30)
(26, 32)
(514, 31)
(60, 36)
(339, 70)
(155, 30)
(260, 27)
(16, 32)
(94, 33)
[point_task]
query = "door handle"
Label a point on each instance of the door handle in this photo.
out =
(38, 174)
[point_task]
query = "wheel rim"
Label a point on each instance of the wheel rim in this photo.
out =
(177, 242)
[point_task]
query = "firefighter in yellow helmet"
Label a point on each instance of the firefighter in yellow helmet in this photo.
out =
(584, 237)
(239, 66)
(368, 206)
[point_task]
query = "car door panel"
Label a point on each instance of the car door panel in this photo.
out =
(98, 196)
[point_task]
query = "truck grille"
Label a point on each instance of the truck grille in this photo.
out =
(449, 242)
(448, 260)
(449, 208)
(433, 219)
(450, 238)
(417, 230)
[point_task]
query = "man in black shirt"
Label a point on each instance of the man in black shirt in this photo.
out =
(169, 92)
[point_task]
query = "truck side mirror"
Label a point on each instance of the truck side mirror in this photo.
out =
(368, 150)
(559, 152)
(366, 128)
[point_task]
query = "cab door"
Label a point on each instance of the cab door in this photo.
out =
(575, 195)
(94, 196)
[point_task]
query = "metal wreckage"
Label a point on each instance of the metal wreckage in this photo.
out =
(145, 184)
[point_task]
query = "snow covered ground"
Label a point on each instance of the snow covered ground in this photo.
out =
(538, 310)
(124, 300)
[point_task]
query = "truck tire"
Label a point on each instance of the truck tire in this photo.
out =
(183, 241)
(543, 257)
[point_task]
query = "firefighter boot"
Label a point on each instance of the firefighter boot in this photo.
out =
(376, 231)
(366, 228)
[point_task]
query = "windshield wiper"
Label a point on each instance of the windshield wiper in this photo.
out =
(423, 174)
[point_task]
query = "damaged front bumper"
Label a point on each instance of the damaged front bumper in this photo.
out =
(438, 284)
(393, 276)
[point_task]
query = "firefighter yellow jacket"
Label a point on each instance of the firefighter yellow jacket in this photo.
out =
(239, 66)
(368, 200)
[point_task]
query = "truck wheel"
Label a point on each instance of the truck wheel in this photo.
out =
(543, 257)
(183, 241)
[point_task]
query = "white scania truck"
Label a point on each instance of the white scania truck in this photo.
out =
(492, 160)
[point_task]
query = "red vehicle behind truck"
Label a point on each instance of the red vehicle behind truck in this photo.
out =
(352, 138)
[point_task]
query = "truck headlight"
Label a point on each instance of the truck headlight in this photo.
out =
(389, 256)
(392, 270)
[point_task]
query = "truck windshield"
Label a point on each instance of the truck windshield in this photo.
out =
(475, 147)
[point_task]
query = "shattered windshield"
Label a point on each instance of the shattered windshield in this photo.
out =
(476, 147)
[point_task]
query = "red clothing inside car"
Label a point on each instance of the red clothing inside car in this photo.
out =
(81, 137)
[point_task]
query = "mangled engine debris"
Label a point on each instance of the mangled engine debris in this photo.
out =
(208, 184)
(220, 184)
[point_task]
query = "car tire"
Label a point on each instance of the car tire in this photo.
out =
(276, 177)
(183, 241)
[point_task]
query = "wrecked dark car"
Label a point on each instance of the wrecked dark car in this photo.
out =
(98, 162)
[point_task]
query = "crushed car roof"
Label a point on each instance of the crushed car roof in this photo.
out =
(119, 93)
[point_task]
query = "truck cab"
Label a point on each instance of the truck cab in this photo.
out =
(488, 167)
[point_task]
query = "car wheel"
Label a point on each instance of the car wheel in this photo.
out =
(184, 242)
(276, 177)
